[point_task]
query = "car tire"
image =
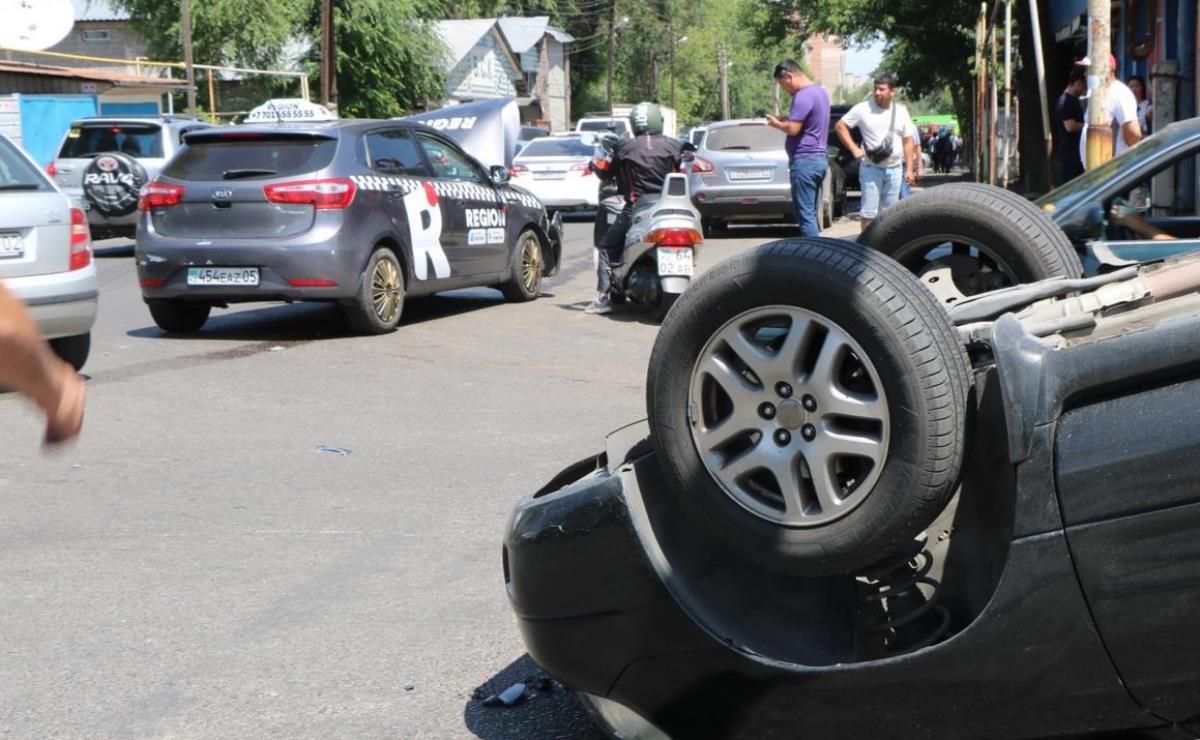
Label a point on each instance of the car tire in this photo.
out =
(525, 265)
(379, 304)
(887, 377)
(179, 317)
(999, 239)
(663, 307)
(712, 227)
(73, 350)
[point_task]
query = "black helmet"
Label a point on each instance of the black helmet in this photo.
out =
(646, 118)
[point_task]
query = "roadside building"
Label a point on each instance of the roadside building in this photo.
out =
(522, 58)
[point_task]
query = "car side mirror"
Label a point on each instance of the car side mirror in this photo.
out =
(1086, 224)
(498, 174)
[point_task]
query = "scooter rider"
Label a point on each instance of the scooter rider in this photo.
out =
(641, 165)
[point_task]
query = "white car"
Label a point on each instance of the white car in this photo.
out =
(46, 254)
(556, 170)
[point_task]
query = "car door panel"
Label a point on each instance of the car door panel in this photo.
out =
(414, 204)
(1127, 472)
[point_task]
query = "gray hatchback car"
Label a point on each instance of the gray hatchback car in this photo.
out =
(357, 212)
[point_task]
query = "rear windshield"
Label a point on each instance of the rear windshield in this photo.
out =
(601, 125)
(558, 148)
(134, 139)
(258, 159)
(751, 137)
(15, 171)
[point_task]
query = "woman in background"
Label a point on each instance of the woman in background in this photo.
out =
(1144, 112)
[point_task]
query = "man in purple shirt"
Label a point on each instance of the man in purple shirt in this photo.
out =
(806, 126)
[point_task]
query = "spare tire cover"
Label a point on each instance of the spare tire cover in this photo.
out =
(111, 183)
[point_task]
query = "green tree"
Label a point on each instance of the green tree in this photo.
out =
(389, 58)
(243, 33)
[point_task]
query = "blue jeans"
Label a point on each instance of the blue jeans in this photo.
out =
(880, 188)
(807, 173)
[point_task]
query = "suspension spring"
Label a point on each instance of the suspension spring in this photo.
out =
(899, 609)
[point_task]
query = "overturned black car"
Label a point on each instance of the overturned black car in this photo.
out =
(862, 509)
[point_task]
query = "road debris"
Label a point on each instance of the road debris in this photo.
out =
(335, 450)
(510, 696)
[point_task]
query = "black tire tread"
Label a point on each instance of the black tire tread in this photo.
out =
(1050, 251)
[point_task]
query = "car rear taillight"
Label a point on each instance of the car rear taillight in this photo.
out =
(517, 169)
(311, 283)
(582, 168)
(700, 164)
(52, 169)
(674, 237)
(81, 240)
(329, 194)
(155, 194)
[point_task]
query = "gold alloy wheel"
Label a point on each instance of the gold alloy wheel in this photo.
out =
(387, 290)
(531, 264)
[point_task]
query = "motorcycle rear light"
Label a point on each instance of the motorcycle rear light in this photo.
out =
(700, 164)
(81, 241)
(674, 237)
(312, 283)
(52, 169)
(333, 193)
(155, 194)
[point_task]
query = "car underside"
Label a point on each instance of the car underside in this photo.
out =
(1047, 588)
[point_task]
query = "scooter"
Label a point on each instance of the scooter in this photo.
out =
(659, 256)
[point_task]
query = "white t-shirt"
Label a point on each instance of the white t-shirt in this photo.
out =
(1123, 107)
(873, 123)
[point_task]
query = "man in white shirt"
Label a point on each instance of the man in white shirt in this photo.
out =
(1122, 107)
(887, 147)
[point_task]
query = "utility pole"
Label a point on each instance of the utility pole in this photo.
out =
(328, 58)
(671, 58)
(1099, 123)
(612, 42)
(723, 61)
(185, 14)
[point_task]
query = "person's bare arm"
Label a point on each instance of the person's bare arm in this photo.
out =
(29, 367)
(843, 132)
(1131, 132)
(908, 160)
(786, 125)
(1139, 225)
(1072, 126)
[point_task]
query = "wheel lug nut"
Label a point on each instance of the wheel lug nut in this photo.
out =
(810, 403)
(809, 432)
(782, 437)
(784, 390)
(766, 411)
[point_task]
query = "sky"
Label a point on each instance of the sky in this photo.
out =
(864, 61)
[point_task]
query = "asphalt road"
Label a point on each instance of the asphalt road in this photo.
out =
(274, 529)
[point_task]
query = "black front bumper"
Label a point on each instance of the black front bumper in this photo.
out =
(624, 602)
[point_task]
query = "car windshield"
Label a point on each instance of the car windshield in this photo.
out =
(135, 139)
(236, 159)
(745, 137)
(1070, 194)
(557, 148)
(16, 173)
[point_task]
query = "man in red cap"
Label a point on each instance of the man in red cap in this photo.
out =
(1122, 108)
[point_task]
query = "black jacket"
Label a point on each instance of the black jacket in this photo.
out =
(643, 163)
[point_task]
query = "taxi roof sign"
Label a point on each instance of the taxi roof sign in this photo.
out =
(287, 110)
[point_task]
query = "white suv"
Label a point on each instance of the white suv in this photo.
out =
(104, 161)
